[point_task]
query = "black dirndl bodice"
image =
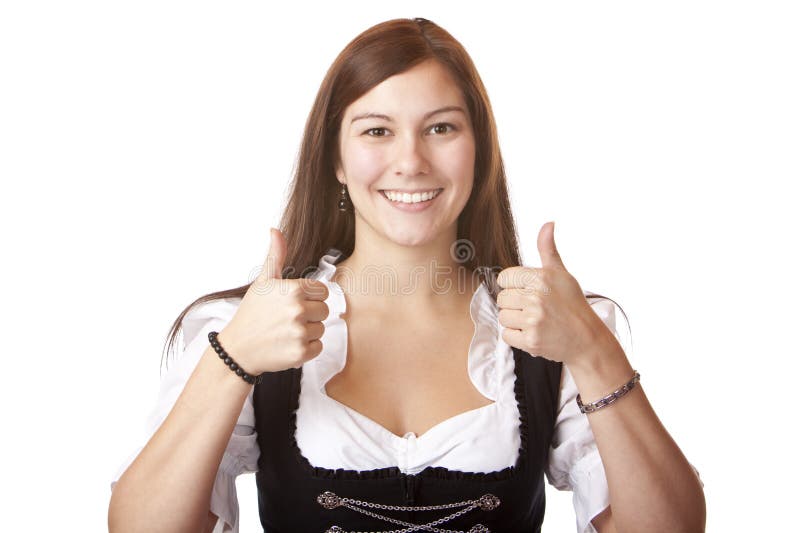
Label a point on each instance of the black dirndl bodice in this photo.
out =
(295, 496)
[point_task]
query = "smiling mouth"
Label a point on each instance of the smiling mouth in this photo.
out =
(409, 198)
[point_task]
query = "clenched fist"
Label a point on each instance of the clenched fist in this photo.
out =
(278, 324)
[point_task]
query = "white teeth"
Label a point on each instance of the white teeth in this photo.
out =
(408, 198)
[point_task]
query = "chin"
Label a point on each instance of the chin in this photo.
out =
(410, 239)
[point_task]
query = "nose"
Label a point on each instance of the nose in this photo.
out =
(411, 158)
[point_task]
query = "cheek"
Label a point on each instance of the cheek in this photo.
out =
(459, 160)
(363, 162)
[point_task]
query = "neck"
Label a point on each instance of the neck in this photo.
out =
(406, 277)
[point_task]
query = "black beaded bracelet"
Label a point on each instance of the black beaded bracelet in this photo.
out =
(229, 362)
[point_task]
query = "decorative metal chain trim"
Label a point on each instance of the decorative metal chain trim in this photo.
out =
(487, 502)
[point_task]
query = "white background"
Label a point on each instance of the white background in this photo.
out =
(146, 148)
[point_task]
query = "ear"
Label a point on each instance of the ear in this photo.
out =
(339, 172)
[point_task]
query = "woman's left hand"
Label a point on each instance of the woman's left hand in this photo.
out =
(544, 311)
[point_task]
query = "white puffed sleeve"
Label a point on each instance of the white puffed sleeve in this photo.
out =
(241, 453)
(574, 460)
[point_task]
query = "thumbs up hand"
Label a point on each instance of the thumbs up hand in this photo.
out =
(544, 311)
(278, 324)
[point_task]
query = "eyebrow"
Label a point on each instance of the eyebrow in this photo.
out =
(425, 117)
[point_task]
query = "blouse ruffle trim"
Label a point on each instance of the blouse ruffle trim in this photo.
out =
(437, 472)
(481, 365)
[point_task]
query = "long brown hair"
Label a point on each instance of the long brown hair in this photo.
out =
(312, 222)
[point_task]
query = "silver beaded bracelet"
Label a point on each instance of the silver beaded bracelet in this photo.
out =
(611, 398)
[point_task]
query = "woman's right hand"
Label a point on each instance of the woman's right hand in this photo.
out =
(278, 324)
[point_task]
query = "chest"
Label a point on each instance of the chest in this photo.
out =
(407, 376)
(293, 473)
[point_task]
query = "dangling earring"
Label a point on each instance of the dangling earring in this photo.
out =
(343, 201)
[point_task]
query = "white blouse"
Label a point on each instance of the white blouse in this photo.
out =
(468, 441)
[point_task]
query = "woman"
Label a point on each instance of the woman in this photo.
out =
(439, 394)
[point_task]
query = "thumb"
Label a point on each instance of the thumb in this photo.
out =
(273, 266)
(547, 247)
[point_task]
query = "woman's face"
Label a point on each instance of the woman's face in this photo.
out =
(399, 137)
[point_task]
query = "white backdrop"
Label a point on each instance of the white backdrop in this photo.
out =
(146, 148)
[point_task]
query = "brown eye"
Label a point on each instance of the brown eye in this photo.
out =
(443, 125)
(376, 129)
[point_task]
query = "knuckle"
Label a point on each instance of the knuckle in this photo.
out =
(501, 298)
(321, 290)
(263, 284)
(530, 339)
(502, 315)
(314, 288)
(317, 346)
(527, 276)
(314, 348)
(298, 331)
(296, 310)
(296, 288)
(314, 330)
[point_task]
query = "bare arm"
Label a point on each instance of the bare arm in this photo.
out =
(652, 487)
(168, 486)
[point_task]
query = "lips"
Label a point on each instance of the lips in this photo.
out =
(412, 207)
(412, 191)
(409, 195)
